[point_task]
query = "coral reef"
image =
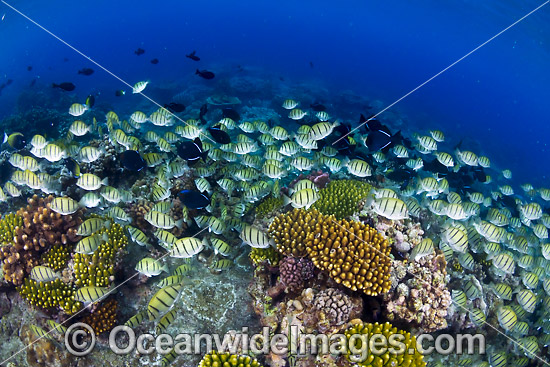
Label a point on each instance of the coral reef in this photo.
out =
(97, 269)
(217, 359)
(404, 235)
(354, 254)
(342, 198)
(104, 317)
(408, 357)
(423, 299)
(43, 352)
(319, 178)
(294, 272)
(50, 295)
(290, 230)
(41, 229)
(335, 305)
(137, 211)
(56, 257)
(268, 205)
(268, 255)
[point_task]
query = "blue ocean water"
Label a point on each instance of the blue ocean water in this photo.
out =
(496, 99)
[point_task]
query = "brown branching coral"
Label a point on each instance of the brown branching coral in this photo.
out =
(41, 229)
(137, 212)
(103, 318)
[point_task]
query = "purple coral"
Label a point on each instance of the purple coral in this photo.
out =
(295, 272)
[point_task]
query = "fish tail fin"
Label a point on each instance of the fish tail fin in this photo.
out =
(105, 181)
(197, 72)
(5, 138)
(286, 200)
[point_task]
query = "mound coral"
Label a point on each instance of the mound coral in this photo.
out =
(217, 359)
(40, 229)
(295, 272)
(335, 305)
(354, 254)
(409, 356)
(342, 198)
(56, 257)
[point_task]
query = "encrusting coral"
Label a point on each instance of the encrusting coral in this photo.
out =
(423, 299)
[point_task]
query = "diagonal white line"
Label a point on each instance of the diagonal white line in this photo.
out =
(95, 62)
(444, 70)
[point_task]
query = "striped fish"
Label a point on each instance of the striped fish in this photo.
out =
(91, 225)
(170, 280)
(160, 220)
(165, 321)
(507, 318)
(391, 208)
(304, 198)
(43, 274)
(187, 247)
(321, 130)
(456, 238)
(89, 295)
(527, 300)
(253, 237)
(162, 301)
(150, 267)
(504, 262)
(64, 205)
(135, 320)
(138, 236)
(182, 269)
(424, 248)
(88, 245)
(359, 168)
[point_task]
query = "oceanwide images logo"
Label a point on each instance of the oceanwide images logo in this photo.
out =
(80, 340)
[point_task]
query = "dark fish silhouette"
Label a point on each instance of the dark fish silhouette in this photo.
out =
(15, 140)
(132, 160)
(175, 107)
(29, 68)
(203, 111)
(193, 199)
(65, 86)
(33, 82)
(73, 167)
(86, 71)
(139, 51)
(219, 135)
(311, 64)
(155, 61)
(316, 106)
(90, 101)
(231, 113)
(205, 74)
(191, 151)
(192, 56)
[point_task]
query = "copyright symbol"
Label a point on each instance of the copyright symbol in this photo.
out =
(80, 339)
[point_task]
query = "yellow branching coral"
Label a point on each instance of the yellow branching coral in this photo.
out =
(268, 206)
(290, 230)
(7, 227)
(354, 254)
(49, 295)
(342, 198)
(56, 257)
(217, 359)
(97, 269)
(268, 255)
(392, 354)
